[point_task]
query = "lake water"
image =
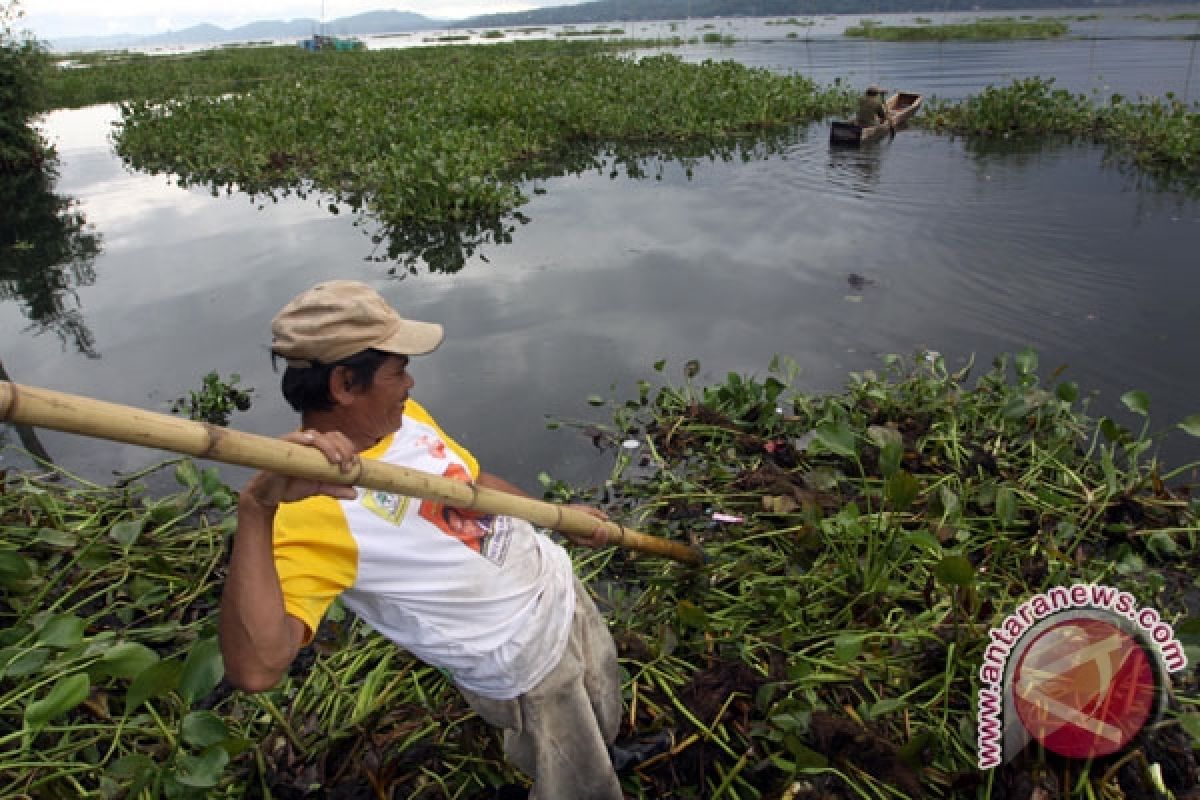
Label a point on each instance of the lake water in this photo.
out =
(968, 249)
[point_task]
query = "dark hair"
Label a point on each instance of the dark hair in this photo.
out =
(307, 388)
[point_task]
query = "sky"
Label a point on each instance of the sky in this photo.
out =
(50, 19)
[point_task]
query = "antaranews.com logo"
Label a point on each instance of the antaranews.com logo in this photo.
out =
(1081, 669)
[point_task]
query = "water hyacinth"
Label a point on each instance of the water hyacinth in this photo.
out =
(435, 135)
(1160, 135)
(860, 545)
(988, 29)
(434, 143)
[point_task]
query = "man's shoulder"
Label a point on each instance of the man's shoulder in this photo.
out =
(309, 511)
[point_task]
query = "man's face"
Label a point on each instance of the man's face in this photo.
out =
(379, 408)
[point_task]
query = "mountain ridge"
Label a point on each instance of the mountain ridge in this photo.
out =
(377, 22)
(368, 22)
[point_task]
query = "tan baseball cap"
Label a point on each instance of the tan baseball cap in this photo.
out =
(337, 319)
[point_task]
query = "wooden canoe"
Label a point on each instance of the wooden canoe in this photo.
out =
(900, 106)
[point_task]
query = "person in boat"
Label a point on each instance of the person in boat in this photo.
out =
(871, 108)
(490, 600)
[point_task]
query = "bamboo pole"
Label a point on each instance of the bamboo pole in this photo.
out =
(44, 408)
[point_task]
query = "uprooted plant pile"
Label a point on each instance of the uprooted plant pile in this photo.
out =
(860, 547)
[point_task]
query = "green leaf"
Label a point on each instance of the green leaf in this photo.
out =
(202, 670)
(337, 610)
(1137, 401)
(890, 458)
(822, 479)
(949, 500)
(796, 722)
(1131, 564)
(125, 660)
(203, 728)
(881, 436)
(67, 693)
(891, 448)
(187, 474)
(202, 771)
(1006, 506)
(26, 661)
(595, 400)
(63, 630)
(901, 490)
(806, 758)
(236, 745)
(1026, 362)
(1067, 391)
(14, 567)
(1188, 631)
(886, 706)
(925, 540)
(1191, 723)
(1192, 424)
(210, 481)
(154, 681)
(56, 538)
(847, 647)
(658, 365)
(127, 531)
(837, 437)
(954, 570)
(1112, 431)
(1162, 545)
(131, 766)
(691, 615)
(911, 752)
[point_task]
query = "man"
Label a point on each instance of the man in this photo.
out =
(488, 599)
(871, 108)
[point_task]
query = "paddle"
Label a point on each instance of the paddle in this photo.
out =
(58, 411)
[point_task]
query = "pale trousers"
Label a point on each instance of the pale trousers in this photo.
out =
(558, 733)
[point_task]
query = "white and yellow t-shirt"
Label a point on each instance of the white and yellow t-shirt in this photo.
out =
(487, 598)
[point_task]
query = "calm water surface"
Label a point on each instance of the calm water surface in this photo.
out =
(966, 250)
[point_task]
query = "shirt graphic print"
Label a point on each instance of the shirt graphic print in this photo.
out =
(486, 534)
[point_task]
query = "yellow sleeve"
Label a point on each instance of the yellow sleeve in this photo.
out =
(315, 556)
(415, 410)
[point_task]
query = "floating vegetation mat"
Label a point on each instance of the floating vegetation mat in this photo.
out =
(860, 547)
(1159, 135)
(438, 135)
(990, 30)
(437, 146)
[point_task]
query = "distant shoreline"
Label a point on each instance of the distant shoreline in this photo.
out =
(376, 23)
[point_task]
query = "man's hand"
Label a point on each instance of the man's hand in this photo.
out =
(269, 489)
(598, 537)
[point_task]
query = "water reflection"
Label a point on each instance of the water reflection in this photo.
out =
(446, 246)
(47, 252)
(1139, 175)
(854, 168)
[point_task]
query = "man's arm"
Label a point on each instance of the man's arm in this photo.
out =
(259, 639)
(489, 481)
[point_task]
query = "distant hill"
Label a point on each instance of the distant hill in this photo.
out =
(601, 11)
(370, 22)
(374, 22)
(616, 10)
